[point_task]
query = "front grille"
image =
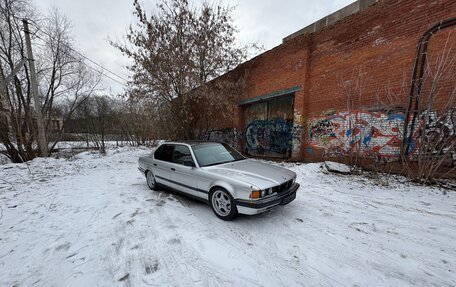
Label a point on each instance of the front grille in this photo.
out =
(284, 186)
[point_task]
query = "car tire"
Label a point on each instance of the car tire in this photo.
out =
(223, 204)
(150, 179)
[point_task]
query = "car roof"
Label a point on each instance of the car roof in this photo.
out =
(192, 142)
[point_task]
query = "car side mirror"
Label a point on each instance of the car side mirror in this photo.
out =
(189, 163)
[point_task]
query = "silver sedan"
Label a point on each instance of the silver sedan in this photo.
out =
(219, 175)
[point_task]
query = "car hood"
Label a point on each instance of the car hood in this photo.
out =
(259, 174)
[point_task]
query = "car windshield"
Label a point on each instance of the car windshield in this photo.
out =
(215, 153)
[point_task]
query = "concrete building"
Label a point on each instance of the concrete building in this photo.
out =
(341, 85)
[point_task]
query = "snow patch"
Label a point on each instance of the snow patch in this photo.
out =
(92, 221)
(337, 167)
(380, 41)
(4, 159)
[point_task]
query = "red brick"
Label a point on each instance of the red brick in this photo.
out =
(379, 41)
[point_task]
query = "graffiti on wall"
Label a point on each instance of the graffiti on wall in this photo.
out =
(231, 136)
(364, 132)
(271, 129)
(274, 135)
(440, 131)
(379, 134)
(296, 133)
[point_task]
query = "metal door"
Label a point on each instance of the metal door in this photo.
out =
(269, 127)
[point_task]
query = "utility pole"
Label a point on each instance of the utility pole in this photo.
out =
(42, 143)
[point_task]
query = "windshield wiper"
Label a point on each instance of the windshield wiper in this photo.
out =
(217, 163)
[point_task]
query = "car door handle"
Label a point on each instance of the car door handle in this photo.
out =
(173, 169)
(155, 164)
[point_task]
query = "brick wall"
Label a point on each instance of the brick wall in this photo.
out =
(360, 70)
(354, 77)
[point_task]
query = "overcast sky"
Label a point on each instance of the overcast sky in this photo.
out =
(263, 21)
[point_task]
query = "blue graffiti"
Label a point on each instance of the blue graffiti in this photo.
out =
(367, 139)
(310, 150)
(396, 116)
(274, 135)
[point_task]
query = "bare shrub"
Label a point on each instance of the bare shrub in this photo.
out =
(431, 142)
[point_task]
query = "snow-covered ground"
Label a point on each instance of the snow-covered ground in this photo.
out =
(92, 221)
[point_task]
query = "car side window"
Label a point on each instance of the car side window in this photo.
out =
(158, 152)
(166, 154)
(181, 154)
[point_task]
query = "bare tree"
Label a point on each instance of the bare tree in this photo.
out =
(175, 52)
(138, 122)
(62, 78)
(97, 121)
(17, 131)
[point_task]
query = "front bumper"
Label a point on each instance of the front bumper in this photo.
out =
(261, 205)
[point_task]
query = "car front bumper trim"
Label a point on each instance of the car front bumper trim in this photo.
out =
(261, 205)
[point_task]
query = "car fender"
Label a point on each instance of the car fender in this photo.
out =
(239, 190)
(225, 185)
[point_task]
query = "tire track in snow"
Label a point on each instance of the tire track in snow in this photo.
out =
(211, 275)
(287, 273)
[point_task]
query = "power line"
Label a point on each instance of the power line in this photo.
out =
(38, 29)
(85, 57)
(87, 65)
(47, 18)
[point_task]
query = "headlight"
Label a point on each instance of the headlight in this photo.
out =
(261, 193)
